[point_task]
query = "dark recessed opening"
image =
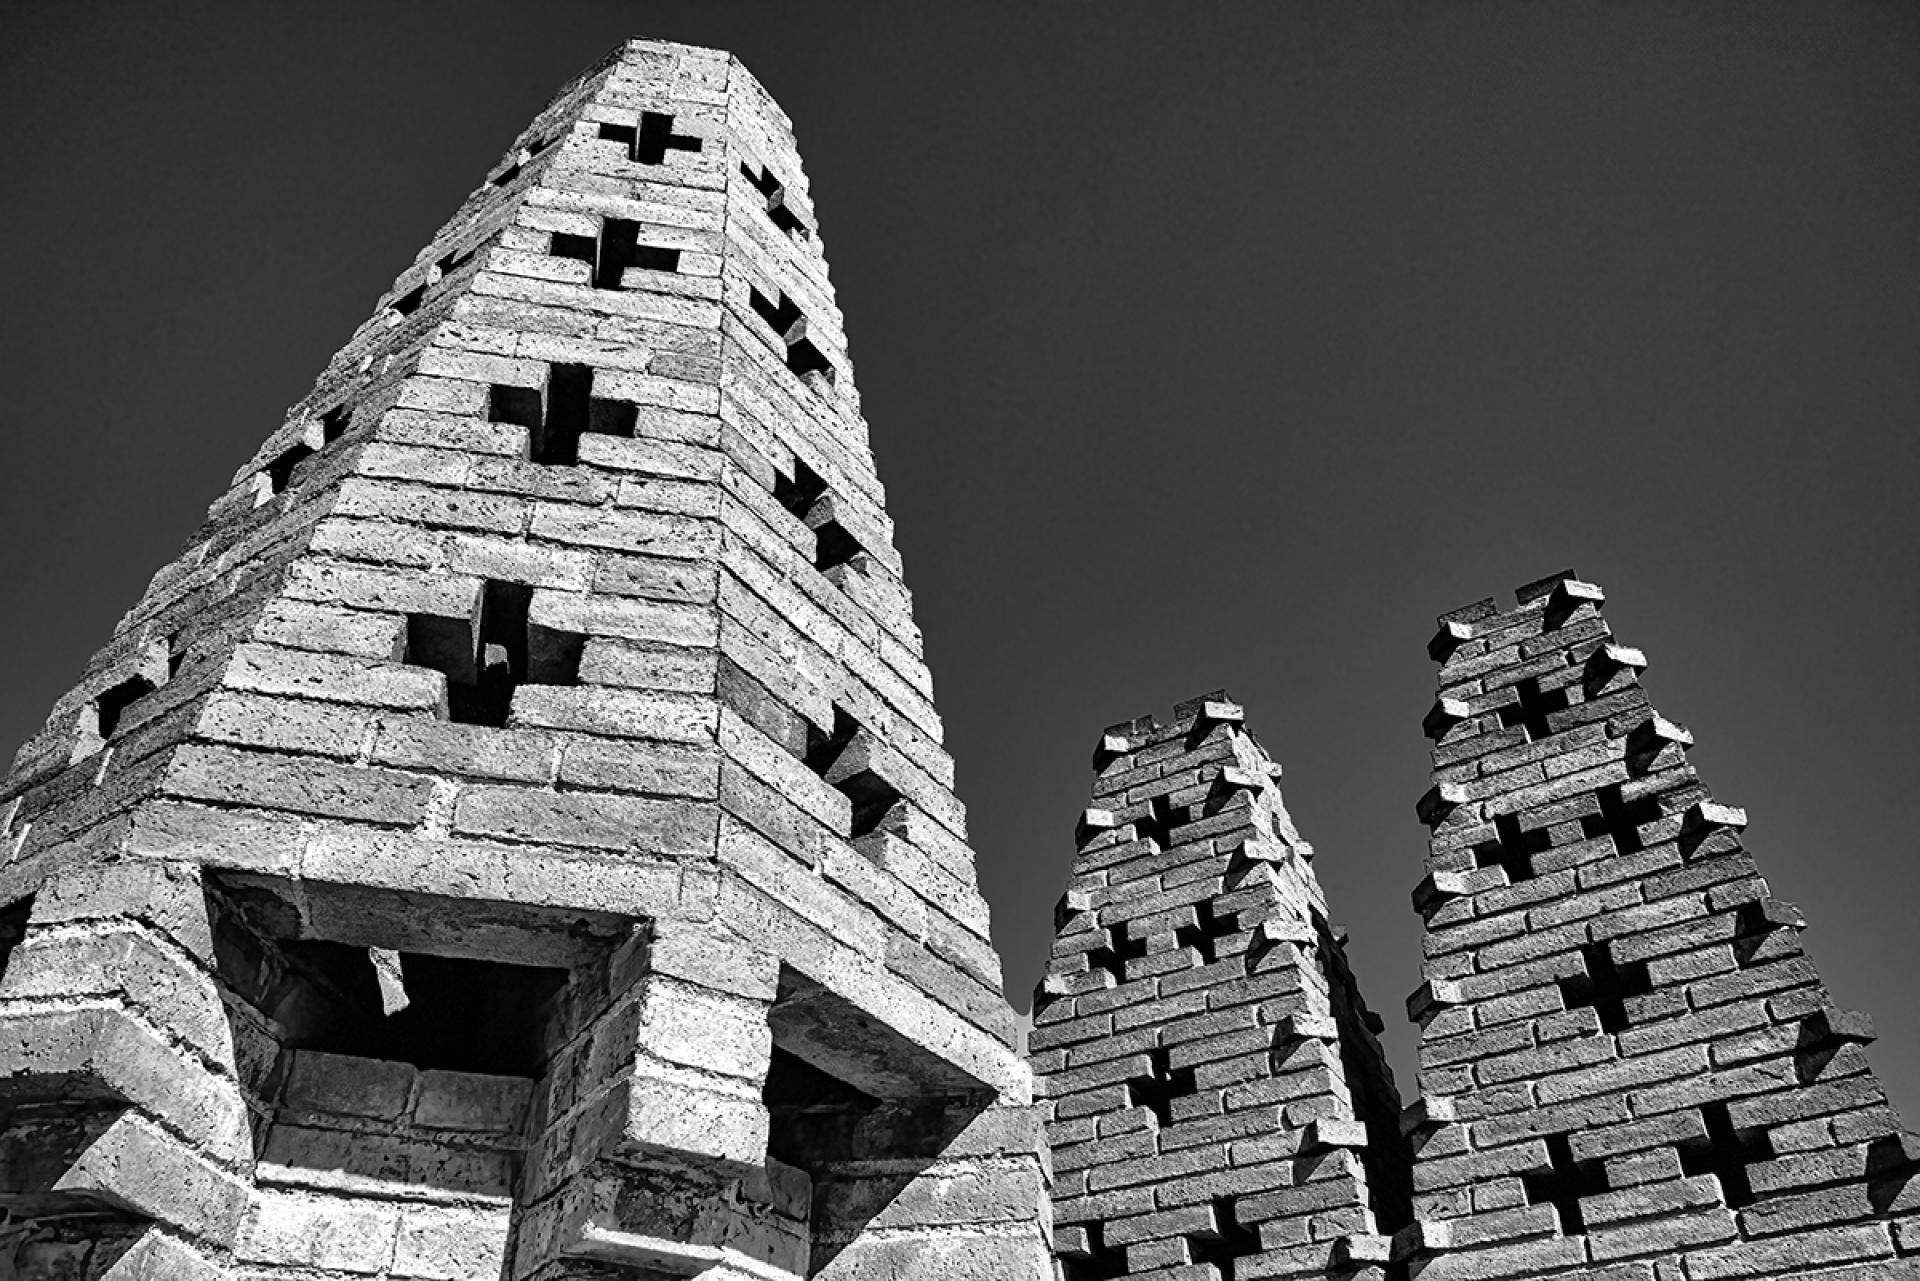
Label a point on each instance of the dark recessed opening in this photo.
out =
(485, 663)
(1230, 1240)
(799, 492)
(654, 258)
(824, 746)
(656, 137)
(284, 470)
(408, 303)
(774, 193)
(112, 704)
(1563, 1183)
(1605, 986)
(785, 320)
(13, 928)
(515, 406)
(333, 424)
(1726, 1152)
(833, 545)
(567, 245)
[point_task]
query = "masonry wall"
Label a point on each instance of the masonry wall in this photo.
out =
(541, 705)
(1218, 1104)
(1629, 1066)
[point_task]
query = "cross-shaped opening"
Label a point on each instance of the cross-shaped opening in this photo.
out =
(1229, 1241)
(652, 140)
(1620, 819)
(568, 411)
(1532, 710)
(486, 659)
(1158, 822)
(790, 327)
(833, 543)
(1101, 1262)
(774, 192)
(1725, 1153)
(1119, 948)
(1605, 986)
(798, 492)
(1203, 935)
(1564, 1184)
(614, 249)
(1162, 1084)
(872, 796)
(1512, 849)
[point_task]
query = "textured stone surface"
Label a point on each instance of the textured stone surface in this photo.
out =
(1628, 1063)
(1218, 1103)
(513, 837)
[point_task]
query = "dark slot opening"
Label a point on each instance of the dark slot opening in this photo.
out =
(804, 358)
(618, 236)
(408, 303)
(1102, 1262)
(780, 316)
(611, 418)
(516, 406)
(333, 424)
(833, 545)
(13, 928)
(566, 245)
(485, 662)
(619, 133)
(1564, 1183)
(111, 704)
(824, 746)
(799, 492)
(654, 258)
(556, 440)
(282, 471)
(1231, 1240)
(656, 137)
(1725, 1153)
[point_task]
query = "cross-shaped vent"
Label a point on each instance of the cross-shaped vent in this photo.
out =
(1203, 935)
(790, 327)
(1119, 948)
(1605, 986)
(1564, 1183)
(652, 139)
(1229, 1242)
(1158, 822)
(1725, 1153)
(1512, 849)
(1620, 819)
(801, 494)
(486, 658)
(569, 410)
(1160, 1086)
(774, 192)
(1532, 710)
(842, 757)
(612, 250)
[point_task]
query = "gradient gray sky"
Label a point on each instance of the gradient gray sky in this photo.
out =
(1203, 346)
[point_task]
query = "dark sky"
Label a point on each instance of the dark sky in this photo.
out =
(1202, 346)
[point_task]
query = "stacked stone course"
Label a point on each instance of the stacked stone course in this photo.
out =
(1630, 1068)
(1218, 1106)
(513, 838)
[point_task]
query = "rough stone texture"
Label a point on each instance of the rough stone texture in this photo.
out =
(1218, 1105)
(1630, 1068)
(513, 837)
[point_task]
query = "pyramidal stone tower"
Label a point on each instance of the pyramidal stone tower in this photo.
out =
(1219, 1108)
(1630, 1068)
(512, 839)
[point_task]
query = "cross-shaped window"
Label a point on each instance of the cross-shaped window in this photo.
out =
(1532, 710)
(1512, 849)
(1725, 1153)
(1605, 986)
(1564, 1183)
(1162, 1084)
(790, 327)
(851, 775)
(1119, 948)
(1229, 1241)
(488, 657)
(1157, 823)
(615, 248)
(649, 143)
(1203, 935)
(568, 410)
(774, 192)
(1620, 819)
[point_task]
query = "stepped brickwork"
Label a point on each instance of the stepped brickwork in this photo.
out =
(1218, 1104)
(513, 838)
(1630, 1068)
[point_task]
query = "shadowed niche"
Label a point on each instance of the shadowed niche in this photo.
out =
(857, 1112)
